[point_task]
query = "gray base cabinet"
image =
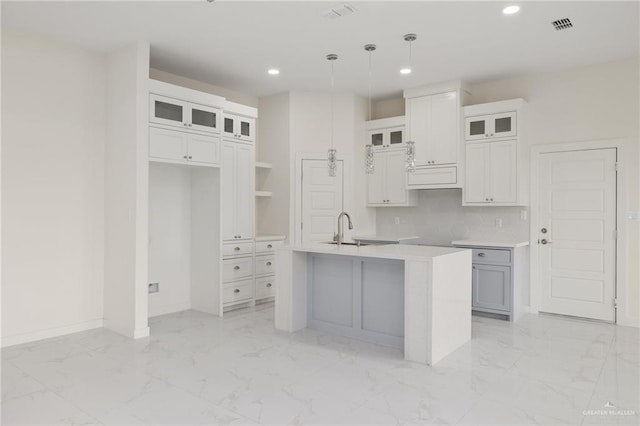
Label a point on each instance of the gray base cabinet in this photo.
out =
(499, 280)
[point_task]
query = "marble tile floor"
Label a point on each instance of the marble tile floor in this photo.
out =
(200, 369)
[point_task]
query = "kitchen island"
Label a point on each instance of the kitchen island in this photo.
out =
(414, 297)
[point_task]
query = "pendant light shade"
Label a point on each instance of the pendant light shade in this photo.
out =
(411, 156)
(409, 38)
(369, 158)
(332, 157)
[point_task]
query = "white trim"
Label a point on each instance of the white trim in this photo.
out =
(51, 332)
(182, 93)
(347, 178)
(623, 317)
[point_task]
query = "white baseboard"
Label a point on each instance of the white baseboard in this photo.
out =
(50, 332)
(155, 311)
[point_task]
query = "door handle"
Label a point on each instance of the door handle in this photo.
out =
(268, 263)
(544, 241)
(236, 268)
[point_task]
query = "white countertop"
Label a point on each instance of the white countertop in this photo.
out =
(391, 251)
(270, 237)
(384, 238)
(491, 243)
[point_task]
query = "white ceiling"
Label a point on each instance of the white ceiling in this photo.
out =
(233, 43)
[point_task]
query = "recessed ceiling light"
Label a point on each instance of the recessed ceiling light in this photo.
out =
(274, 71)
(510, 10)
(405, 71)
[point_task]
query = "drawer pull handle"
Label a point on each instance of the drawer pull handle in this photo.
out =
(268, 285)
(269, 246)
(268, 263)
(237, 290)
(237, 249)
(481, 254)
(236, 267)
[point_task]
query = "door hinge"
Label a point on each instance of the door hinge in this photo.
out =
(615, 303)
(617, 166)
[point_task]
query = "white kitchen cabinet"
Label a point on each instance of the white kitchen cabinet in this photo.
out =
(171, 146)
(484, 127)
(387, 185)
(238, 127)
(186, 115)
(386, 132)
(433, 116)
(237, 190)
(496, 169)
(265, 279)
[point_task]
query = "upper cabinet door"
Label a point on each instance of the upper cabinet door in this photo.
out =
(396, 177)
(245, 181)
(167, 111)
(229, 126)
(246, 129)
(376, 138)
(492, 126)
(503, 125)
(376, 181)
(477, 176)
(504, 172)
(443, 128)
(396, 136)
(167, 145)
(418, 113)
(204, 149)
(476, 128)
(228, 191)
(204, 118)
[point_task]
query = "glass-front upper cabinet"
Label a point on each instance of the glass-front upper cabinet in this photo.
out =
(237, 127)
(492, 126)
(384, 138)
(176, 113)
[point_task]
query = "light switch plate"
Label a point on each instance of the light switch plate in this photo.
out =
(154, 287)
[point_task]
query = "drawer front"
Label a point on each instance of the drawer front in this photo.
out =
(236, 269)
(237, 249)
(265, 264)
(481, 255)
(265, 287)
(238, 291)
(432, 176)
(268, 246)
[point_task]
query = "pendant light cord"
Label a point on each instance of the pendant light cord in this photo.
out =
(332, 88)
(370, 78)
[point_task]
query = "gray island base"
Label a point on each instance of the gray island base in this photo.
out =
(414, 297)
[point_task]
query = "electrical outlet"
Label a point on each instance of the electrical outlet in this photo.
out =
(523, 214)
(154, 287)
(396, 220)
(498, 222)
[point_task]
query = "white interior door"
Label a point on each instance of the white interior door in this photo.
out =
(576, 233)
(322, 200)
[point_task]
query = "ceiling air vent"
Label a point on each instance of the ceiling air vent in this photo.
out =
(562, 24)
(339, 11)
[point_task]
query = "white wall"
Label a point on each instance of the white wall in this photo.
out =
(272, 146)
(594, 102)
(53, 136)
(169, 237)
(230, 95)
(126, 191)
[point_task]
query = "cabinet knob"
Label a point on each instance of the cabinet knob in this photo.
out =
(185, 157)
(190, 157)
(268, 285)
(491, 134)
(185, 124)
(237, 290)
(486, 135)
(490, 199)
(237, 268)
(190, 124)
(482, 254)
(486, 199)
(237, 249)
(268, 263)
(269, 246)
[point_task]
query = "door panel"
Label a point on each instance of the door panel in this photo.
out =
(578, 210)
(204, 149)
(491, 287)
(204, 118)
(418, 111)
(443, 129)
(396, 177)
(167, 144)
(245, 190)
(503, 166)
(227, 190)
(321, 200)
(376, 184)
(477, 173)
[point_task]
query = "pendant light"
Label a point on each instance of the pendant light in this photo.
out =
(369, 158)
(410, 38)
(331, 154)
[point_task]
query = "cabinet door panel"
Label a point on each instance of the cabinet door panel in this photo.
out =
(228, 190)
(246, 129)
(229, 126)
(396, 177)
(204, 118)
(204, 149)
(476, 128)
(476, 173)
(418, 113)
(443, 128)
(376, 185)
(163, 110)
(396, 136)
(503, 165)
(491, 287)
(167, 144)
(244, 189)
(503, 125)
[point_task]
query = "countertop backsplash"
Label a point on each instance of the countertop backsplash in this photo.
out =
(440, 218)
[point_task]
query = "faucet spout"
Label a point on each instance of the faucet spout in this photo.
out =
(339, 237)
